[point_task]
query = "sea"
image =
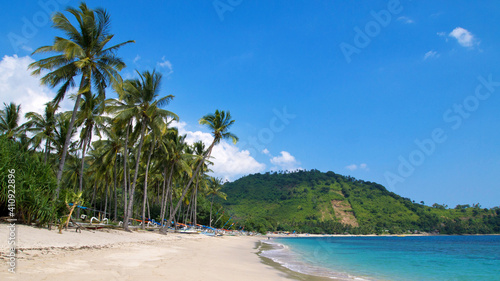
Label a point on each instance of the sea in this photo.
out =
(474, 257)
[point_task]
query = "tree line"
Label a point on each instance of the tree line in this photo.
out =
(121, 156)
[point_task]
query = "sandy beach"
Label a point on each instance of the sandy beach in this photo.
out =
(119, 255)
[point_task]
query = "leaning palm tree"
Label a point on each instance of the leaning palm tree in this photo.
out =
(9, 120)
(142, 103)
(83, 53)
(43, 127)
(219, 123)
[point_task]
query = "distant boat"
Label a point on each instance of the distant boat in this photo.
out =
(188, 231)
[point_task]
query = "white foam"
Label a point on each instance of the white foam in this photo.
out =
(282, 255)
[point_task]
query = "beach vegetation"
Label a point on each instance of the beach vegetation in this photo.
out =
(120, 159)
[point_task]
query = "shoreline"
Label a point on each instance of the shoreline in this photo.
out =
(120, 255)
(290, 273)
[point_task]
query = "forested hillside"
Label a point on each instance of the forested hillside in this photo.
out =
(316, 202)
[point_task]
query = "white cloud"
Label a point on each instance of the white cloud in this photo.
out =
(229, 161)
(137, 58)
(19, 86)
(166, 64)
(431, 54)
(354, 167)
(464, 37)
(406, 20)
(285, 162)
(265, 151)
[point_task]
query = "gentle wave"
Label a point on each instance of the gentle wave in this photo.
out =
(282, 255)
(429, 258)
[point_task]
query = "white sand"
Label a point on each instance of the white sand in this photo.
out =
(119, 255)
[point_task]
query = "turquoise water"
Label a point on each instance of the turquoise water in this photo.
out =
(392, 258)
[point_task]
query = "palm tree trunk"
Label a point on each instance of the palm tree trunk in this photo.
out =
(93, 196)
(68, 139)
(192, 177)
(188, 218)
(115, 179)
(125, 187)
(80, 187)
(149, 210)
(106, 199)
(196, 200)
(132, 190)
(163, 195)
(211, 204)
(80, 184)
(100, 208)
(168, 197)
(153, 143)
(171, 205)
(110, 192)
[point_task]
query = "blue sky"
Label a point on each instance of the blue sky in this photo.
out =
(348, 86)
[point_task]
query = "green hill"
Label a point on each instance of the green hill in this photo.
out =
(316, 202)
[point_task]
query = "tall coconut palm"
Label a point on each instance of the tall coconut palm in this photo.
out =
(152, 142)
(214, 187)
(85, 52)
(120, 129)
(199, 150)
(9, 120)
(145, 107)
(43, 127)
(173, 147)
(112, 146)
(219, 123)
(91, 118)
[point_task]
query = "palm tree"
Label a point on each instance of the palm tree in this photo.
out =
(83, 53)
(63, 134)
(141, 102)
(112, 147)
(199, 150)
(173, 147)
(90, 116)
(43, 127)
(120, 129)
(9, 120)
(214, 187)
(219, 123)
(152, 141)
